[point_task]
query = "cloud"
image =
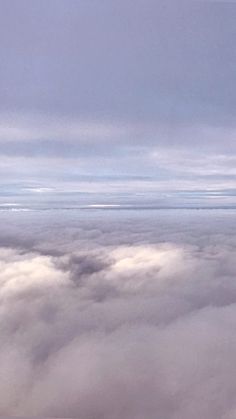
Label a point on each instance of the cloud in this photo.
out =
(155, 61)
(107, 313)
(123, 320)
(71, 156)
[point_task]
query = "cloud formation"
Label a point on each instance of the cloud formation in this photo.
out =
(101, 324)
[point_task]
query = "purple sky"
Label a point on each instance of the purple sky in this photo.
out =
(120, 100)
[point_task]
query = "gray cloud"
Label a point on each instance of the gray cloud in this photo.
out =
(112, 89)
(102, 58)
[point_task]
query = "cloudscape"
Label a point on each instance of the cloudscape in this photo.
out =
(117, 209)
(117, 317)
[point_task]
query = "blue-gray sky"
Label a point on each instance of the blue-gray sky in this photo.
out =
(120, 101)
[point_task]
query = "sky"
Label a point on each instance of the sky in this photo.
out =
(118, 102)
(117, 311)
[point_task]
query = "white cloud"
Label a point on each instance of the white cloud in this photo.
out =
(115, 330)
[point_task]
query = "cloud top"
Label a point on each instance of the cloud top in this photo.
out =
(124, 324)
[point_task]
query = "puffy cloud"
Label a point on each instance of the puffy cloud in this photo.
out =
(111, 320)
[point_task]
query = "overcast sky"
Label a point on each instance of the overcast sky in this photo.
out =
(118, 100)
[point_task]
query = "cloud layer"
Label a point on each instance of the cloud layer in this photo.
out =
(118, 319)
